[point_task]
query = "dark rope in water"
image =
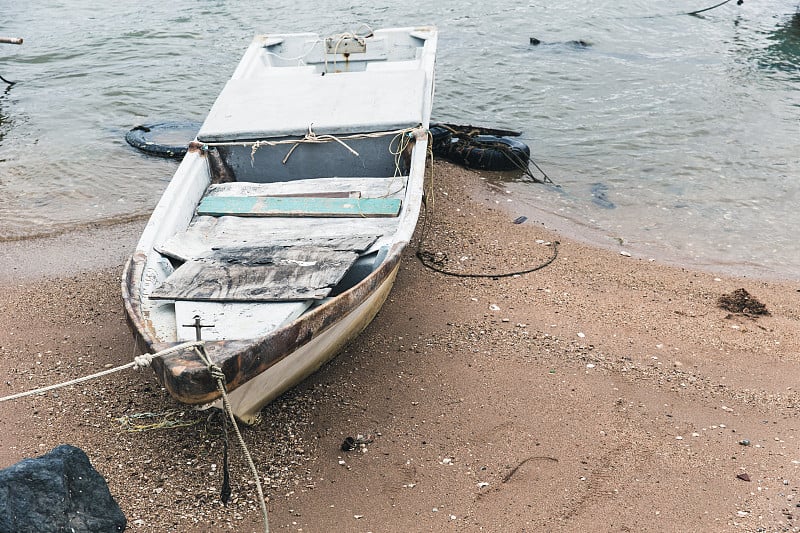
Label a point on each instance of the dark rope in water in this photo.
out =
(8, 82)
(517, 161)
(738, 2)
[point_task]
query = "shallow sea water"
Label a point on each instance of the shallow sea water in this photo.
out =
(670, 135)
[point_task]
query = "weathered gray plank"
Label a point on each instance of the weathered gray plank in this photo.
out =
(367, 187)
(257, 275)
(189, 245)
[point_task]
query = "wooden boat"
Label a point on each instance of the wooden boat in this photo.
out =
(280, 235)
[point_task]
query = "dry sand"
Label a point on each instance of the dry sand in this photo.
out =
(601, 393)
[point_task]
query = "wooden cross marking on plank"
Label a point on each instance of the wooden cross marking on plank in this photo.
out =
(198, 326)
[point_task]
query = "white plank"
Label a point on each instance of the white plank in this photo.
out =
(235, 320)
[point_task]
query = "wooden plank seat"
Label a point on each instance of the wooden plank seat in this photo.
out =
(295, 206)
(189, 245)
(263, 274)
(369, 187)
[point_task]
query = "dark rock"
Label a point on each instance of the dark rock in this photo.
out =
(743, 477)
(57, 492)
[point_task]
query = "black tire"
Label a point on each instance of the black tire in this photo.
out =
(163, 139)
(441, 138)
(489, 152)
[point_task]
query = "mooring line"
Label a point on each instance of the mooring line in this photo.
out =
(140, 361)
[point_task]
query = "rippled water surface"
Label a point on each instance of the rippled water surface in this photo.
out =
(672, 134)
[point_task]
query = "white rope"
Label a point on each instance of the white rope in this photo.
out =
(140, 361)
(265, 142)
(313, 138)
(143, 361)
(219, 377)
(300, 59)
(310, 137)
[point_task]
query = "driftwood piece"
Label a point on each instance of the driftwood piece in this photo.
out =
(10, 40)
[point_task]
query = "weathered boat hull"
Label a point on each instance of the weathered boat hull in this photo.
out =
(282, 289)
(248, 400)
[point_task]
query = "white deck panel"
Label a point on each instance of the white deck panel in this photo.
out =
(234, 320)
(340, 103)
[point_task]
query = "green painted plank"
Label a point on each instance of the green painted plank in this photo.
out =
(295, 206)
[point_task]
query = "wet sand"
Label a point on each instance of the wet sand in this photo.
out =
(600, 393)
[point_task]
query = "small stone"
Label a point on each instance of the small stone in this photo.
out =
(581, 334)
(742, 513)
(695, 434)
(744, 442)
(743, 477)
(483, 484)
(678, 438)
(494, 307)
(624, 253)
(358, 516)
(590, 365)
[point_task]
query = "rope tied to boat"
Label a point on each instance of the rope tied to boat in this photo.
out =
(437, 261)
(219, 377)
(139, 362)
(144, 361)
(310, 137)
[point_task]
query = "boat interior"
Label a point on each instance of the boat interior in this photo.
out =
(295, 192)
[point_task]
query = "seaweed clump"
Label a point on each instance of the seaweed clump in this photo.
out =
(740, 301)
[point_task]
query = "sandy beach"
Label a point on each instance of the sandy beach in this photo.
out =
(603, 392)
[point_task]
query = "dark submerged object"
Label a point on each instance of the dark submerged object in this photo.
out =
(480, 148)
(164, 139)
(59, 491)
(578, 43)
(600, 196)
